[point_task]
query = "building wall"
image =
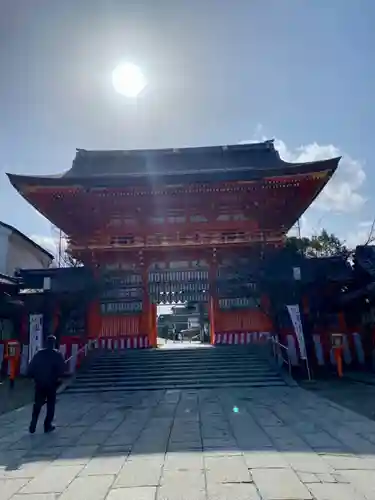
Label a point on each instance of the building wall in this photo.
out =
(4, 237)
(193, 322)
(17, 253)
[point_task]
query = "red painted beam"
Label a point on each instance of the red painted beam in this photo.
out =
(83, 214)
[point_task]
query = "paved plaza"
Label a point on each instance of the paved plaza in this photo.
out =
(271, 444)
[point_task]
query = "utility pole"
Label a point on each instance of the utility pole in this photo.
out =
(299, 228)
(60, 248)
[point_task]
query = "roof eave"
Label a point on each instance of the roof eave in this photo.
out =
(287, 169)
(321, 187)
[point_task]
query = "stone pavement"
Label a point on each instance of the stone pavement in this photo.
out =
(270, 444)
(11, 399)
(356, 396)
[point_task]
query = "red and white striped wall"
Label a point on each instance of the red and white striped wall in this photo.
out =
(128, 342)
(75, 351)
(353, 350)
(242, 338)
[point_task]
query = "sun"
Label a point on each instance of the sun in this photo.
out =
(128, 80)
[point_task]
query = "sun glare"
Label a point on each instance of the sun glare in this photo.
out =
(128, 80)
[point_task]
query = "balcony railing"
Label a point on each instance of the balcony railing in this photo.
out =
(163, 241)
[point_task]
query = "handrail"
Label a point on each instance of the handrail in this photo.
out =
(88, 343)
(74, 356)
(277, 349)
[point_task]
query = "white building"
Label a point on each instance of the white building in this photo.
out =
(17, 251)
(193, 322)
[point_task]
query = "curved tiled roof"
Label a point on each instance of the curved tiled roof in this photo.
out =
(244, 162)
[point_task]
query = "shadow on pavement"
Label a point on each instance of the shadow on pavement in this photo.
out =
(273, 421)
(20, 395)
(275, 442)
(356, 396)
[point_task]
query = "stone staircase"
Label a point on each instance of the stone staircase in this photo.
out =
(179, 368)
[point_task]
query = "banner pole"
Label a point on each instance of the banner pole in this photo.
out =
(308, 368)
(295, 315)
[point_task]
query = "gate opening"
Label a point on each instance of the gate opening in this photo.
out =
(183, 322)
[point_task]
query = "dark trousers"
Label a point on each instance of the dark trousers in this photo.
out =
(44, 395)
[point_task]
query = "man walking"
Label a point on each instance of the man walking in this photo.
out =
(46, 368)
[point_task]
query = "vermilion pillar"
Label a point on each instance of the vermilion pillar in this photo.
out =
(211, 316)
(146, 317)
(94, 319)
(93, 313)
(265, 304)
(154, 332)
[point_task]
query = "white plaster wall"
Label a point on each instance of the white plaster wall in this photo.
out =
(23, 255)
(4, 236)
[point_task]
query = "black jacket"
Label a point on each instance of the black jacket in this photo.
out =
(46, 367)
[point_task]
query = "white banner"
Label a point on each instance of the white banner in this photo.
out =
(295, 316)
(36, 334)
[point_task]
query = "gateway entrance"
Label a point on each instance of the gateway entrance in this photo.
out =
(192, 223)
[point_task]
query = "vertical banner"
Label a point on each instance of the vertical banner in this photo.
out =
(295, 316)
(36, 334)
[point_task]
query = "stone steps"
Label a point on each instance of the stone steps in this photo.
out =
(171, 379)
(85, 377)
(175, 365)
(81, 390)
(187, 368)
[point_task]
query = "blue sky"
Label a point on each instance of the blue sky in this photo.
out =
(219, 72)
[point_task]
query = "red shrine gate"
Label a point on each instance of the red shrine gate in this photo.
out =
(133, 214)
(125, 315)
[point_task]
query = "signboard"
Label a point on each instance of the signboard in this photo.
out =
(35, 334)
(121, 279)
(178, 276)
(122, 293)
(237, 303)
(46, 283)
(295, 316)
(297, 273)
(120, 307)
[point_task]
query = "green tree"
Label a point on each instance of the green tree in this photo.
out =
(299, 245)
(320, 245)
(327, 245)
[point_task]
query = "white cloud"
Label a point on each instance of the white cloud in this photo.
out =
(342, 194)
(363, 233)
(357, 237)
(304, 227)
(50, 243)
(366, 223)
(308, 229)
